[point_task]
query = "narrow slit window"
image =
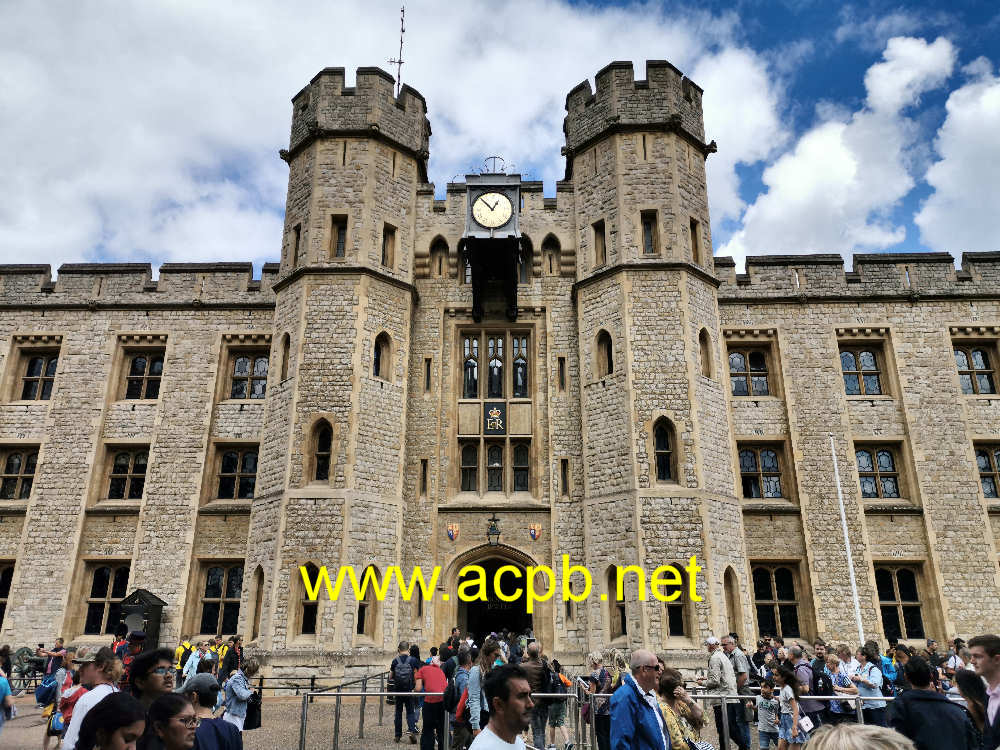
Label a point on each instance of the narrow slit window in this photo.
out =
(338, 236)
(605, 355)
(324, 449)
(427, 374)
(564, 477)
(664, 451)
(494, 386)
(388, 245)
(423, 477)
(562, 373)
(296, 239)
(695, 241)
(600, 244)
(650, 240)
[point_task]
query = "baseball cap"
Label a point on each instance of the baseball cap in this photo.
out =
(199, 683)
(712, 641)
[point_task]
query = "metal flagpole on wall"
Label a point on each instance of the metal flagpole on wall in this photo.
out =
(847, 545)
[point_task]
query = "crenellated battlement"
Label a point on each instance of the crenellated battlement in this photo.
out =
(132, 284)
(326, 107)
(666, 98)
(875, 275)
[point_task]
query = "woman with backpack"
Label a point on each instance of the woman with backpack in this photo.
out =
(868, 680)
(238, 693)
(479, 713)
(557, 708)
(601, 681)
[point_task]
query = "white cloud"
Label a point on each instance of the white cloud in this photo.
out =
(963, 212)
(834, 191)
(873, 31)
(150, 130)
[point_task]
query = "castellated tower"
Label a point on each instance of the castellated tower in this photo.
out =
(329, 485)
(658, 470)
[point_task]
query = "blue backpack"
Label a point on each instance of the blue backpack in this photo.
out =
(45, 693)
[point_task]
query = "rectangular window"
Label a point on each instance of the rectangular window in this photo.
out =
(423, 477)
(878, 471)
(308, 609)
(862, 369)
(143, 371)
(427, 374)
(6, 578)
(562, 373)
(650, 235)
(899, 601)
(296, 238)
(695, 229)
(600, 244)
(988, 463)
(494, 467)
(237, 473)
(222, 584)
(248, 373)
(521, 466)
(760, 471)
(338, 235)
(388, 245)
(564, 477)
(107, 585)
(748, 372)
(470, 467)
(126, 472)
(776, 600)
(38, 374)
(975, 368)
(18, 465)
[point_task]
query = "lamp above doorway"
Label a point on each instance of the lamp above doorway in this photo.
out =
(493, 531)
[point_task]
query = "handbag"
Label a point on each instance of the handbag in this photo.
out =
(56, 724)
(253, 716)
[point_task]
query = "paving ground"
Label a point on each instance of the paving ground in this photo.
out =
(280, 730)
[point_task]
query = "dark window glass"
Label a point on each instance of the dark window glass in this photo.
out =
(100, 583)
(494, 473)
(309, 611)
(783, 583)
(95, 618)
(470, 466)
(521, 454)
(495, 377)
(789, 615)
(663, 452)
(213, 585)
(762, 585)
(767, 624)
(890, 623)
(209, 616)
(883, 582)
(675, 619)
(520, 373)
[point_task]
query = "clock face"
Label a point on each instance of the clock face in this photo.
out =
(492, 210)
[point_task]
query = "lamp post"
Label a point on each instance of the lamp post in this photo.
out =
(493, 531)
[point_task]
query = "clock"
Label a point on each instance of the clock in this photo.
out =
(492, 210)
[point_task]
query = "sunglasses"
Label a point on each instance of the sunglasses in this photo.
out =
(191, 722)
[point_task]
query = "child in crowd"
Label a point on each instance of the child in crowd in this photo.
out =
(789, 734)
(768, 715)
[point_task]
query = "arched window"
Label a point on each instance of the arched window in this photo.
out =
(439, 257)
(734, 615)
(258, 602)
(108, 586)
(520, 371)
(494, 381)
(322, 448)
(663, 450)
(308, 608)
(365, 624)
(705, 352)
(524, 263)
(678, 613)
(220, 601)
(605, 355)
(550, 255)
(774, 594)
(617, 617)
(470, 378)
(127, 475)
(381, 357)
(18, 474)
(494, 468)
(285, 346)
(899, 602)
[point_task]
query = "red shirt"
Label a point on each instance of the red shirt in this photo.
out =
(433, 680)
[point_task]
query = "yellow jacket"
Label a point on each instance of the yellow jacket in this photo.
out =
(179, 652)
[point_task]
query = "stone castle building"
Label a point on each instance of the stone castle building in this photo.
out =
(202, 435)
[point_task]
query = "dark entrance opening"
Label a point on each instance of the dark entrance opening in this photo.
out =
(482, 618)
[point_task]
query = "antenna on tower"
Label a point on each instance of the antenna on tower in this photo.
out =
(398, 61)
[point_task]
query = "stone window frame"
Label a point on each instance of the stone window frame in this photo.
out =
(438, 264)
(799, 597)
(903, 474)
(25, 347)
(233, 345)
(757, 447)
(131, 475)
(15, 480)
(205, 566)
(213, 465)
(649, 217)
(551, 255)
(696, 240)
(295, 250)
(921, 603)
(666, 420)
(303, 605)
(313, 453)
(604, 353)
(987, 339)
(256, 596)
(616, 612)
(339, 226)
(871, 339)
(599, 239)
(382, 357)
(6, 584)
(110, 599)
(683, 608)
(368, 609)
(990, 451)
(706, 363)
(744, 341)
(389, 242)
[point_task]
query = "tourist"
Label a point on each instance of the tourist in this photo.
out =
(463, 731)
(636, 721)
(818, 663)
(196, 657)
(213, 733)
(840, 711)
(985, 650)
(935, 658)
(70, 697)
(741, 668)
(804, 674)
(99, 669)
(537, 670)
(238, 693)
(848, 664)
(64, 675)
(858, 737)
(6, 698)
(973, 691)
(232, 659)
(152, 675)
(54, 658)
(868, 680)
(901, 657)
(768, 716)
(430, 679)
(558, 706)
(682, 716)
(218, 650)
(927, 717)
(789, 733)
(479, 705)
(171, 724)
(116, 722)
(720, 680)
(181, 654)
(600, 682)
(758, 660)
(402, 671)
(508, 697)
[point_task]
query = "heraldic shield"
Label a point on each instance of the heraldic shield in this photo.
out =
(453, 531)
(535, 531)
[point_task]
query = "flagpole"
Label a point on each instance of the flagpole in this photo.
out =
(847, 545)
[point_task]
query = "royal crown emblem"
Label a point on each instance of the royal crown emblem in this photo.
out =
(495, 413)
(535, 531)
(453, 531)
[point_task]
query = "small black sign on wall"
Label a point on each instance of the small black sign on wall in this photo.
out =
(495, 418)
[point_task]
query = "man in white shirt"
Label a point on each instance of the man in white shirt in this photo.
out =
(99, 670)
(509, 696)
(848, 664)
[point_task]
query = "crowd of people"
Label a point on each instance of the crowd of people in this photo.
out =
(124, 696)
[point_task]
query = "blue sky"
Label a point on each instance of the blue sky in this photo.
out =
(149, 131)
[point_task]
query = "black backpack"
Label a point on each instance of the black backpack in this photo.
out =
(185, 655)
(820, 684)
(451, 696)
(402, 672)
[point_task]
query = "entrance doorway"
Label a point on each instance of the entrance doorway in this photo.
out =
(482, 618)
